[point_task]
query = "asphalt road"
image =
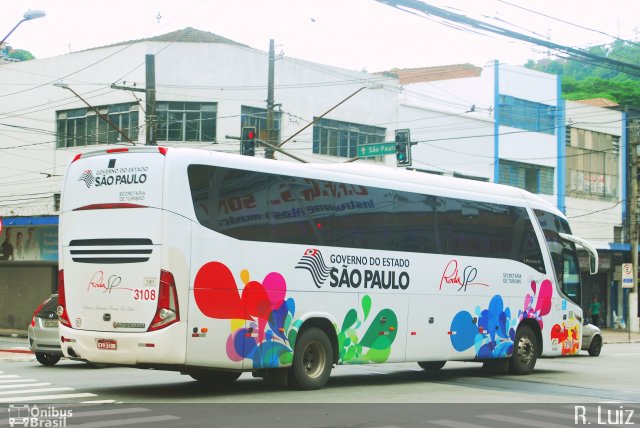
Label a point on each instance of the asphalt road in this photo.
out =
(372, 395)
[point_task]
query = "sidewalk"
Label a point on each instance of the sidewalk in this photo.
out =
(610, 335)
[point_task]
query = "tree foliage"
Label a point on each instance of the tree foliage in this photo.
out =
(20, 55)
(585, 80)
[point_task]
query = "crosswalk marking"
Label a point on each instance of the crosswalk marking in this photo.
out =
(128, 421)
(23, 385)
(521, 421)
(455, 424)
(29, 391)
(30, 398)
(13, 389)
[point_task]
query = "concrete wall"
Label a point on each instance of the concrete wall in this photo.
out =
(23, 286)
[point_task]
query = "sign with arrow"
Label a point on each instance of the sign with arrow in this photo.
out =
(378, 149)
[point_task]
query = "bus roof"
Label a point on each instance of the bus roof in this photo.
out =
(361, 173)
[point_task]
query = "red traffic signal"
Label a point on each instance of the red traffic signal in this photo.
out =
(248, 141)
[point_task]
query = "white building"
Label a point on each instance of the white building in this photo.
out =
(494, 123)
(207, 88)
(509, 124)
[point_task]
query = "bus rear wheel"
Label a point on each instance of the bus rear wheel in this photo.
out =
(214, 376)
(525, 351)
(431, 366)
(312, 360)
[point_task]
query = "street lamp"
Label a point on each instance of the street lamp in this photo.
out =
(64, 85)
(28, 16)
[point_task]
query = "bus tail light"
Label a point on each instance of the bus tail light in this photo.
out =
(61, 310)
(168, 311)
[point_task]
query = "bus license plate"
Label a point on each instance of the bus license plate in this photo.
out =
(51, 323)
(107, 344)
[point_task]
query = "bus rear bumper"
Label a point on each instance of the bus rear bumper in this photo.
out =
(147, 348)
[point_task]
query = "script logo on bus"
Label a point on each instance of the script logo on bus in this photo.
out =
(355, 271)
(459, 277)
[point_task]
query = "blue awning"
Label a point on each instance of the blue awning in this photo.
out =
(48, 220)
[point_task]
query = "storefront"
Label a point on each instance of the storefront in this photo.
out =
(28, 267)
(606, 285)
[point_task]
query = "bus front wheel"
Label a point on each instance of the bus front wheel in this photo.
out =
(525, 351)
(312, 360)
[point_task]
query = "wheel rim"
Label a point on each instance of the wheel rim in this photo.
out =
(314, 360)
(525, 350)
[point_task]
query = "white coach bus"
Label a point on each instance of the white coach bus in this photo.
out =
(215, 264)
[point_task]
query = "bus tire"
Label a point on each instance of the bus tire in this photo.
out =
(431, 366)
(47, 359)
(312, 360)
(525, 351)
(215, 376)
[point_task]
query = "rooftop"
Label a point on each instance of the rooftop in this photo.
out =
(598, 102)
(186, 35)
(430, 74)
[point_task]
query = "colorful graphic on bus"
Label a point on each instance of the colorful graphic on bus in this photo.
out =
(268, 338)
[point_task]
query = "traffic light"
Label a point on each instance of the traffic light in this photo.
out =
(403, 147)
(248, 141)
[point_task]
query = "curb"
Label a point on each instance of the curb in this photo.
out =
(17, 351)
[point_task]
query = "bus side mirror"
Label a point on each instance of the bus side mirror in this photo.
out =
(593, 253)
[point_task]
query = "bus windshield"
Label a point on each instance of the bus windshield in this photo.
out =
(563, 254)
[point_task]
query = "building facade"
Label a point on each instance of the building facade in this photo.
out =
(499, 123)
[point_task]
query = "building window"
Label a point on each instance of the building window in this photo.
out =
(528, 115)
(592, 164)
(178, 121)
(253, 116)
(336, 138)
(83, 127)
(533, 178)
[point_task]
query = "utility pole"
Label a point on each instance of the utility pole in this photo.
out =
(633, 222)
(269, 152)
(150, 96)
(150, 99)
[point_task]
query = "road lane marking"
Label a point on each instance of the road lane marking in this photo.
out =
(128, 421)
(16, 381)
(454, 424)
(23, 385)
(521, 421)
(29, 391)
(29, 398)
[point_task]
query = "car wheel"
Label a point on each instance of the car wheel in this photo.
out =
(525, 352)
(312, 360)
(431, 366)
(47, 359)
(595, 347)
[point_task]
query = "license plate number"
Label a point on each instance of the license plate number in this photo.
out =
(107, 344)
(51, 323)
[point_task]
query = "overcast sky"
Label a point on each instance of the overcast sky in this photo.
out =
(354, 34)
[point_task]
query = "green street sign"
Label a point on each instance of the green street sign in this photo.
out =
(379, 149)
